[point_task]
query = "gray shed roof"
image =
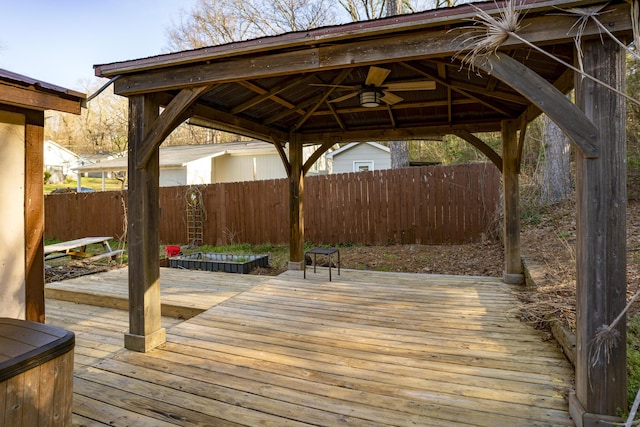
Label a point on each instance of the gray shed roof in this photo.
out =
(353, 144)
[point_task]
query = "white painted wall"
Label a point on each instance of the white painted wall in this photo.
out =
(248, 168)
(170, 177)
(60, 158)
(12, 232)
(199, 171)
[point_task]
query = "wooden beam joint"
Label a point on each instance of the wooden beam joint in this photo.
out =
(174, 114)
(550, 100)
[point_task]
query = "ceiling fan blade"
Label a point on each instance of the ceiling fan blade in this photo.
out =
(415, 85)
(336, 86)
(376, 76)
(343, 98)
(391, 98)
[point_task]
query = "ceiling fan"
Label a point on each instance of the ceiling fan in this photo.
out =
(373, 90)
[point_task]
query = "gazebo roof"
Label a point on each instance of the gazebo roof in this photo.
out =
(271, 87)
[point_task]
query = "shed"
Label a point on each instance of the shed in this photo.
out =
(402, 78)
(208, 164)
(359, 157)
(23, 101)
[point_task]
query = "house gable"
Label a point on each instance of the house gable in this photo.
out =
(360, 156)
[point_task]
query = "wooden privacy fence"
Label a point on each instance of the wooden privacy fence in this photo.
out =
(425, 205)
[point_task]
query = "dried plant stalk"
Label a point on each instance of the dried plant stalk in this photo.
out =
(495, 31)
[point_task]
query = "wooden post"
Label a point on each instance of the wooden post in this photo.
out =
(296, 193)
(145, 329)
(601, 239)
(34, 215)
(513, 272)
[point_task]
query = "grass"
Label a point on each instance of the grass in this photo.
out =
(94, 183)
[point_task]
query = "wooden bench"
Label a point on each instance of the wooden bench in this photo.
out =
(77, 249)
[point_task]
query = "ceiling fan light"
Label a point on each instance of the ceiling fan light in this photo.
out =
(370, 99)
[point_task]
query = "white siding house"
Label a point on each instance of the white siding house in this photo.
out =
(359, 157)
(209, 163)
(60, 162)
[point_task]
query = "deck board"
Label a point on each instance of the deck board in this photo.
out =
(365, 349)
(184, 293)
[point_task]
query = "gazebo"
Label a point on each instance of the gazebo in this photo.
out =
(401, 78)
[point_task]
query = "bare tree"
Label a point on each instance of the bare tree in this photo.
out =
(212, 22)
(555, 182)
(399, 149)
(362, 10)
(101, 127)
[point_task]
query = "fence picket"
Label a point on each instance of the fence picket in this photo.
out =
(426, 205)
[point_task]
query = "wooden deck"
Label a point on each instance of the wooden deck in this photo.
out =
(365, 349)
(184, 293)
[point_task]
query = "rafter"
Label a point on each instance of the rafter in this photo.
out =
(339, 79)
(428, 74)
(270, 94)
(299, 109)
(392, 119)
(336, 116)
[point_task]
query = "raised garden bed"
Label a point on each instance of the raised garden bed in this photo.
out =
(228, 263)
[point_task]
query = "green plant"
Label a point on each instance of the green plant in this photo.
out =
(530, 217)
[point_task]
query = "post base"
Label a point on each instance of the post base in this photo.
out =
(582, 418)
(296, 265)
(144, 343)
(513, 279)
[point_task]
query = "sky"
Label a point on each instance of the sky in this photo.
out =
(59, 41)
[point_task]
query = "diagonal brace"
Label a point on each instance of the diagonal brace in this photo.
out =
(545, 96)
(165, 123)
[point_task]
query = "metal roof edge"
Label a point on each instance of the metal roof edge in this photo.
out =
(393, 24)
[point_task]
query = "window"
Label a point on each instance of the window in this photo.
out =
(363, 166)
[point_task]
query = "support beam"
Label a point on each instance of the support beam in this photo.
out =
(145, 329)
(513, 272)
(171, 117)
(283, 156)
(481, 146)
(34, 216)
(549, 99)
(316, 155)
(296, 198)
(601, 240)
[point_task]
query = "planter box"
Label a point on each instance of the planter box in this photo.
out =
(228, 263)
(36, 374)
